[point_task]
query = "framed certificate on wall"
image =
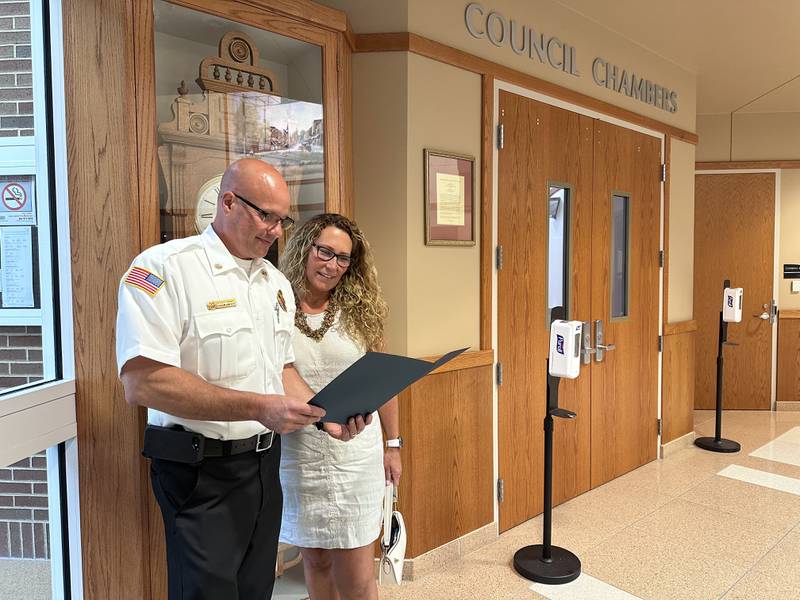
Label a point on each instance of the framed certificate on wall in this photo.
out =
(449, 199)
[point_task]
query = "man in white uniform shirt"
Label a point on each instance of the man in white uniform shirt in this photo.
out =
(204, 342)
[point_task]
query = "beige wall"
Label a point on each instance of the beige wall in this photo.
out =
(715, 137)
(373, 16)
(681, 232)
(443, 21)
(766, 136)
(380, 105)
(433, 291)
(773, 136)
(790, 235)
(404, 103)
(443, 281)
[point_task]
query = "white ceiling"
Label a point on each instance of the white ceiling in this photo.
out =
(746, 54)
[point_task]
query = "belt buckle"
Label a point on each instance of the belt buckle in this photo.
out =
(267, 435)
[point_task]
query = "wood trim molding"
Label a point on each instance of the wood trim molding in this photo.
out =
(753, 164)
(467, 360)
(305, 10)
(410, 42)
(349, 36)
(345, 107)
(486, 263)
(665, 275)
(789, 314)
(678, 328)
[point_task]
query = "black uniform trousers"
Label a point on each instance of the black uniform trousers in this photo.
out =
(222, 518)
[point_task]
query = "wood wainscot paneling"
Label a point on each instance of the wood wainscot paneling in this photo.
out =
(789, 356)
(677, 404)
(446, 422)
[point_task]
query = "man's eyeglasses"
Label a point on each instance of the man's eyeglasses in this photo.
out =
(267, 217)
(326, 254)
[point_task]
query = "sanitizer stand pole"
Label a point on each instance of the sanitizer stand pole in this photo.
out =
(718, 443)
(545, 563)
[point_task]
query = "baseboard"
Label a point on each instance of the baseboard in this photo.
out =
(440, 558)
(681, 443)
(787, 405)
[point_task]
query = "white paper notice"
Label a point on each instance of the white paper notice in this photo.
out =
(16, 259)
(449, 199)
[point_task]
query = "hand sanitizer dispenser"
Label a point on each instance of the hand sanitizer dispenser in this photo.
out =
(732, 305)
(565, 348)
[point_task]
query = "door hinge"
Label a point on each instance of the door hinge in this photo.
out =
(660, 343)
(500, 136)
(663, 171)
(501, 492)
(499, 370)
(661, 258)
(498, 257)
(659, 427)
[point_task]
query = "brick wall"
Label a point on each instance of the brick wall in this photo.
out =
(24, 525)
(16, 82)
(20, 355)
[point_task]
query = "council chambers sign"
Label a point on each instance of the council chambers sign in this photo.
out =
(524, 40)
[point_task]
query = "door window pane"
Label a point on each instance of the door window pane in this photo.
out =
(258, 94)
(620, 234)
(558, 249)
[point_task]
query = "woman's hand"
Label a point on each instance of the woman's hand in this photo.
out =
(392, 465)
(345, 433)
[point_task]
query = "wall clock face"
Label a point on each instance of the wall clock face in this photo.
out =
(206, 206)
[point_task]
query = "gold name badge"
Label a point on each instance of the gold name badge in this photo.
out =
(216, 304)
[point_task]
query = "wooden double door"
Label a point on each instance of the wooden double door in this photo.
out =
(601, 183)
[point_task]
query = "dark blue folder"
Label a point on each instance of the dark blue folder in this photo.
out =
(370, 382)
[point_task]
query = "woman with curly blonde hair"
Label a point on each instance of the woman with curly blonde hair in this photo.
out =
(333, 489)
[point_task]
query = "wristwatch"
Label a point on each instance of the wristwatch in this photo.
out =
(395, 443)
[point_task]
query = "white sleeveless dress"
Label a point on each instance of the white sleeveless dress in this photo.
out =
(332, 490)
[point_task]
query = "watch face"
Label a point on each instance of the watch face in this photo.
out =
(206, 206)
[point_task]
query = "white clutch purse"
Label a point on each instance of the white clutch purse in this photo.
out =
(393, 542)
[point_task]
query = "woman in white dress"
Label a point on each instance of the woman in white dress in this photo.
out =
(332, 489)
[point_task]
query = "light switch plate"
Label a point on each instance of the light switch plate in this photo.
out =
(796, 286)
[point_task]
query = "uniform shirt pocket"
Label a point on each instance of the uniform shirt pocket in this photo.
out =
(225, 345)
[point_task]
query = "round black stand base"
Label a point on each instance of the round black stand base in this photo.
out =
(721, 445)
(563, 567)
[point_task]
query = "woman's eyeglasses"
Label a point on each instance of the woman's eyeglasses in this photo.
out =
(267, 217)
(326, 254)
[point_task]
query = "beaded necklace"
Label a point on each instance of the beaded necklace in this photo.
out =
(301, 322)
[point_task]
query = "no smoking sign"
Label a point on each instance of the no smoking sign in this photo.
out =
(17, 201)
(14, 197)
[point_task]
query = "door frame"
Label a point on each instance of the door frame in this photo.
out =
(498, 86)
(776, 270)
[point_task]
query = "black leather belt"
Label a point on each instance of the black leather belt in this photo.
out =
(258, 443)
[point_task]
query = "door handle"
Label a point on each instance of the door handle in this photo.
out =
(770, 312)
(600, 347)
(586, 343)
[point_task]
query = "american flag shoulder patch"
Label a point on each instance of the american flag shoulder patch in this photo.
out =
(145, 280)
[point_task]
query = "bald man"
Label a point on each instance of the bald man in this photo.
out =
(204, 342)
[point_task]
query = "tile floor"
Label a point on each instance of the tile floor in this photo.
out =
(672, 529)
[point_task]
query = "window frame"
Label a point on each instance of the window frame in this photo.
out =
(41, 416)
